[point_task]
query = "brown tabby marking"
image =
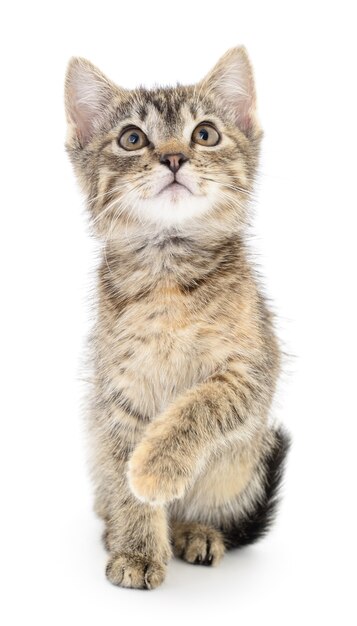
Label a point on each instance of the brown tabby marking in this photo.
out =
(185, 359)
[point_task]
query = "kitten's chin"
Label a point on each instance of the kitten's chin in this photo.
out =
(172, 207)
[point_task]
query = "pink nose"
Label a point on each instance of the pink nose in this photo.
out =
(173, 161)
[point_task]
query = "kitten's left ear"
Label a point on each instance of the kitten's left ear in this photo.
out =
(231, 80)
(88, 94)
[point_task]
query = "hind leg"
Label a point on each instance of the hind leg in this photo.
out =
(233, 502)
(196, 519)
(197, 543)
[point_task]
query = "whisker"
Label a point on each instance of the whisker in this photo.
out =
(234, 187)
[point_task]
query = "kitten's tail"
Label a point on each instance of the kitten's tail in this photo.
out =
(258, 521)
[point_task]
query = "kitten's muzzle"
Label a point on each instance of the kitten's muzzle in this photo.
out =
(173, 160)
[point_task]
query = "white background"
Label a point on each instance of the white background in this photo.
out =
(304, 54)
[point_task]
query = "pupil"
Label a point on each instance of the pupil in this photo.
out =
(133, 138)
(203, 134)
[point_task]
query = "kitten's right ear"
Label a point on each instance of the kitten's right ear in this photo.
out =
(87, 95)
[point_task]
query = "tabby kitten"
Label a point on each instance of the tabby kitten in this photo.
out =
(185, 459)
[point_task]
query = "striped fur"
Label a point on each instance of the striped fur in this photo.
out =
(185, 359)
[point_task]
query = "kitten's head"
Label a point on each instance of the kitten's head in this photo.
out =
(168, 158)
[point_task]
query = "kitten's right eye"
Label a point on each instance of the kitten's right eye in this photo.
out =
(133, 138)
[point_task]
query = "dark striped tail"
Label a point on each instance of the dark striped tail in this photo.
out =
(258, 522)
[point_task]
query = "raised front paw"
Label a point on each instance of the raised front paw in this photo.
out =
(156, 474)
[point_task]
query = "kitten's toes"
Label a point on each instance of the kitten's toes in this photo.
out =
(135, 571)
(197, 543)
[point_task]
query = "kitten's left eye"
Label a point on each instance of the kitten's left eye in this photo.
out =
(206, 135)
(133, 138)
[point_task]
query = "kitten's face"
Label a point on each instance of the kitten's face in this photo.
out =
(166, 158)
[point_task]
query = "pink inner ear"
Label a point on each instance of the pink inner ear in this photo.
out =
(233, 82)
(248, 105)
(83, 110)
(243, 102)
(87, 94)
(83, 120)
(245, 120)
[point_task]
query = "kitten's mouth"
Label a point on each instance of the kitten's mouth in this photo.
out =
(174, 187)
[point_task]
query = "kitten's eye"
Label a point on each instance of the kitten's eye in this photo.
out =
(133, 139)
(206, 135)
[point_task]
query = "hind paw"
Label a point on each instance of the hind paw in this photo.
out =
(197, 543)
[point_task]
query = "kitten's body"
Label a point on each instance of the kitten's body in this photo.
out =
(186, 359)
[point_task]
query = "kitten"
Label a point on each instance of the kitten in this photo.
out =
(185, 460)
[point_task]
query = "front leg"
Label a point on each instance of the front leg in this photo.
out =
(136, 534)
(176, 444)
(137, 539)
